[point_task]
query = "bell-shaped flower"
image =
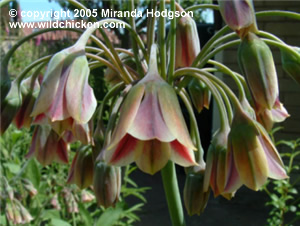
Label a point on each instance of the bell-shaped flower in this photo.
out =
(251, 155)
(29, 91)
(215, 172)
(291, 63)
(267, 118)
(47, 146)
(187, 42)
(239, 15)
(87, 196)
(65, 93)
(257, 64)
(151, 128)
(82, 168)
(195, 198)
(10, 106)
(107, 184)
(200, 94)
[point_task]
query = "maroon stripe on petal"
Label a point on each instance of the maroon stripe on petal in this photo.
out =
(124, 148)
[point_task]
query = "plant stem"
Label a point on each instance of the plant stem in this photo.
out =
(172, 44)
(169, 178)
(162, 43)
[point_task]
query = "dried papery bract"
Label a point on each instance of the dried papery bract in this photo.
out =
(151, 129)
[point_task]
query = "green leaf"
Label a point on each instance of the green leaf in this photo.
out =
(3, 220)
(50, 214)
(109, 217)
(32, 172)
(86, 217)
(12, 167)
(58, 222)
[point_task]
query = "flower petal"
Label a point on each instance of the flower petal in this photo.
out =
(182, 155)
(128, 112)
(148, 123)
(151, 156)
(80, 99)
(50, 84)
(123, 153)
(173, 116)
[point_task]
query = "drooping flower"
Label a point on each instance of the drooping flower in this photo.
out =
(257, 64)
(10, 106)
(107, 184)
(215, 172)
(195, 198)
(252, 157)
(239, 15)
(29, 92)
(200, 94)
(187, 42)
(47, 146)
(66, 97)
(82, 168)
(291, 63)
(267, 118)
(151, 129)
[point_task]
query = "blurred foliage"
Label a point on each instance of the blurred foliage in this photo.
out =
(30, 191)
(283, 194)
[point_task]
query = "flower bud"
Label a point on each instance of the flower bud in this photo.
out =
(55, 203)
(200, 94)
(195, 198)
(9, 212)
(81, 172)
(87, 196)
(26, 216)
(107, 184)
(187, 42)
(239, 15)
(29, 91)
(257, 64)
(10, 106)
(291, 63)
(29, 187)
(216, 167)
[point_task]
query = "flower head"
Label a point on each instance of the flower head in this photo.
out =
(187, 42)
(291, 63)
(107, 184)
(65, 95)
(257, 64)
(251, 154)
(195, 198)
(29, 91)
(239, 15)
(151, 129)
(47, 146)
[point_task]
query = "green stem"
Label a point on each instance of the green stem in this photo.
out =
(169, 178)
(196, 72)
(134, 44)
(162, 43)
(172, 44)
(226, 70)
(202, 6)
(289, 14)
(281, 46)
(199, 154)
(103, 61)
(151, 27)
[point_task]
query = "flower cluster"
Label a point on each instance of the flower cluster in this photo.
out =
(146, 124)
